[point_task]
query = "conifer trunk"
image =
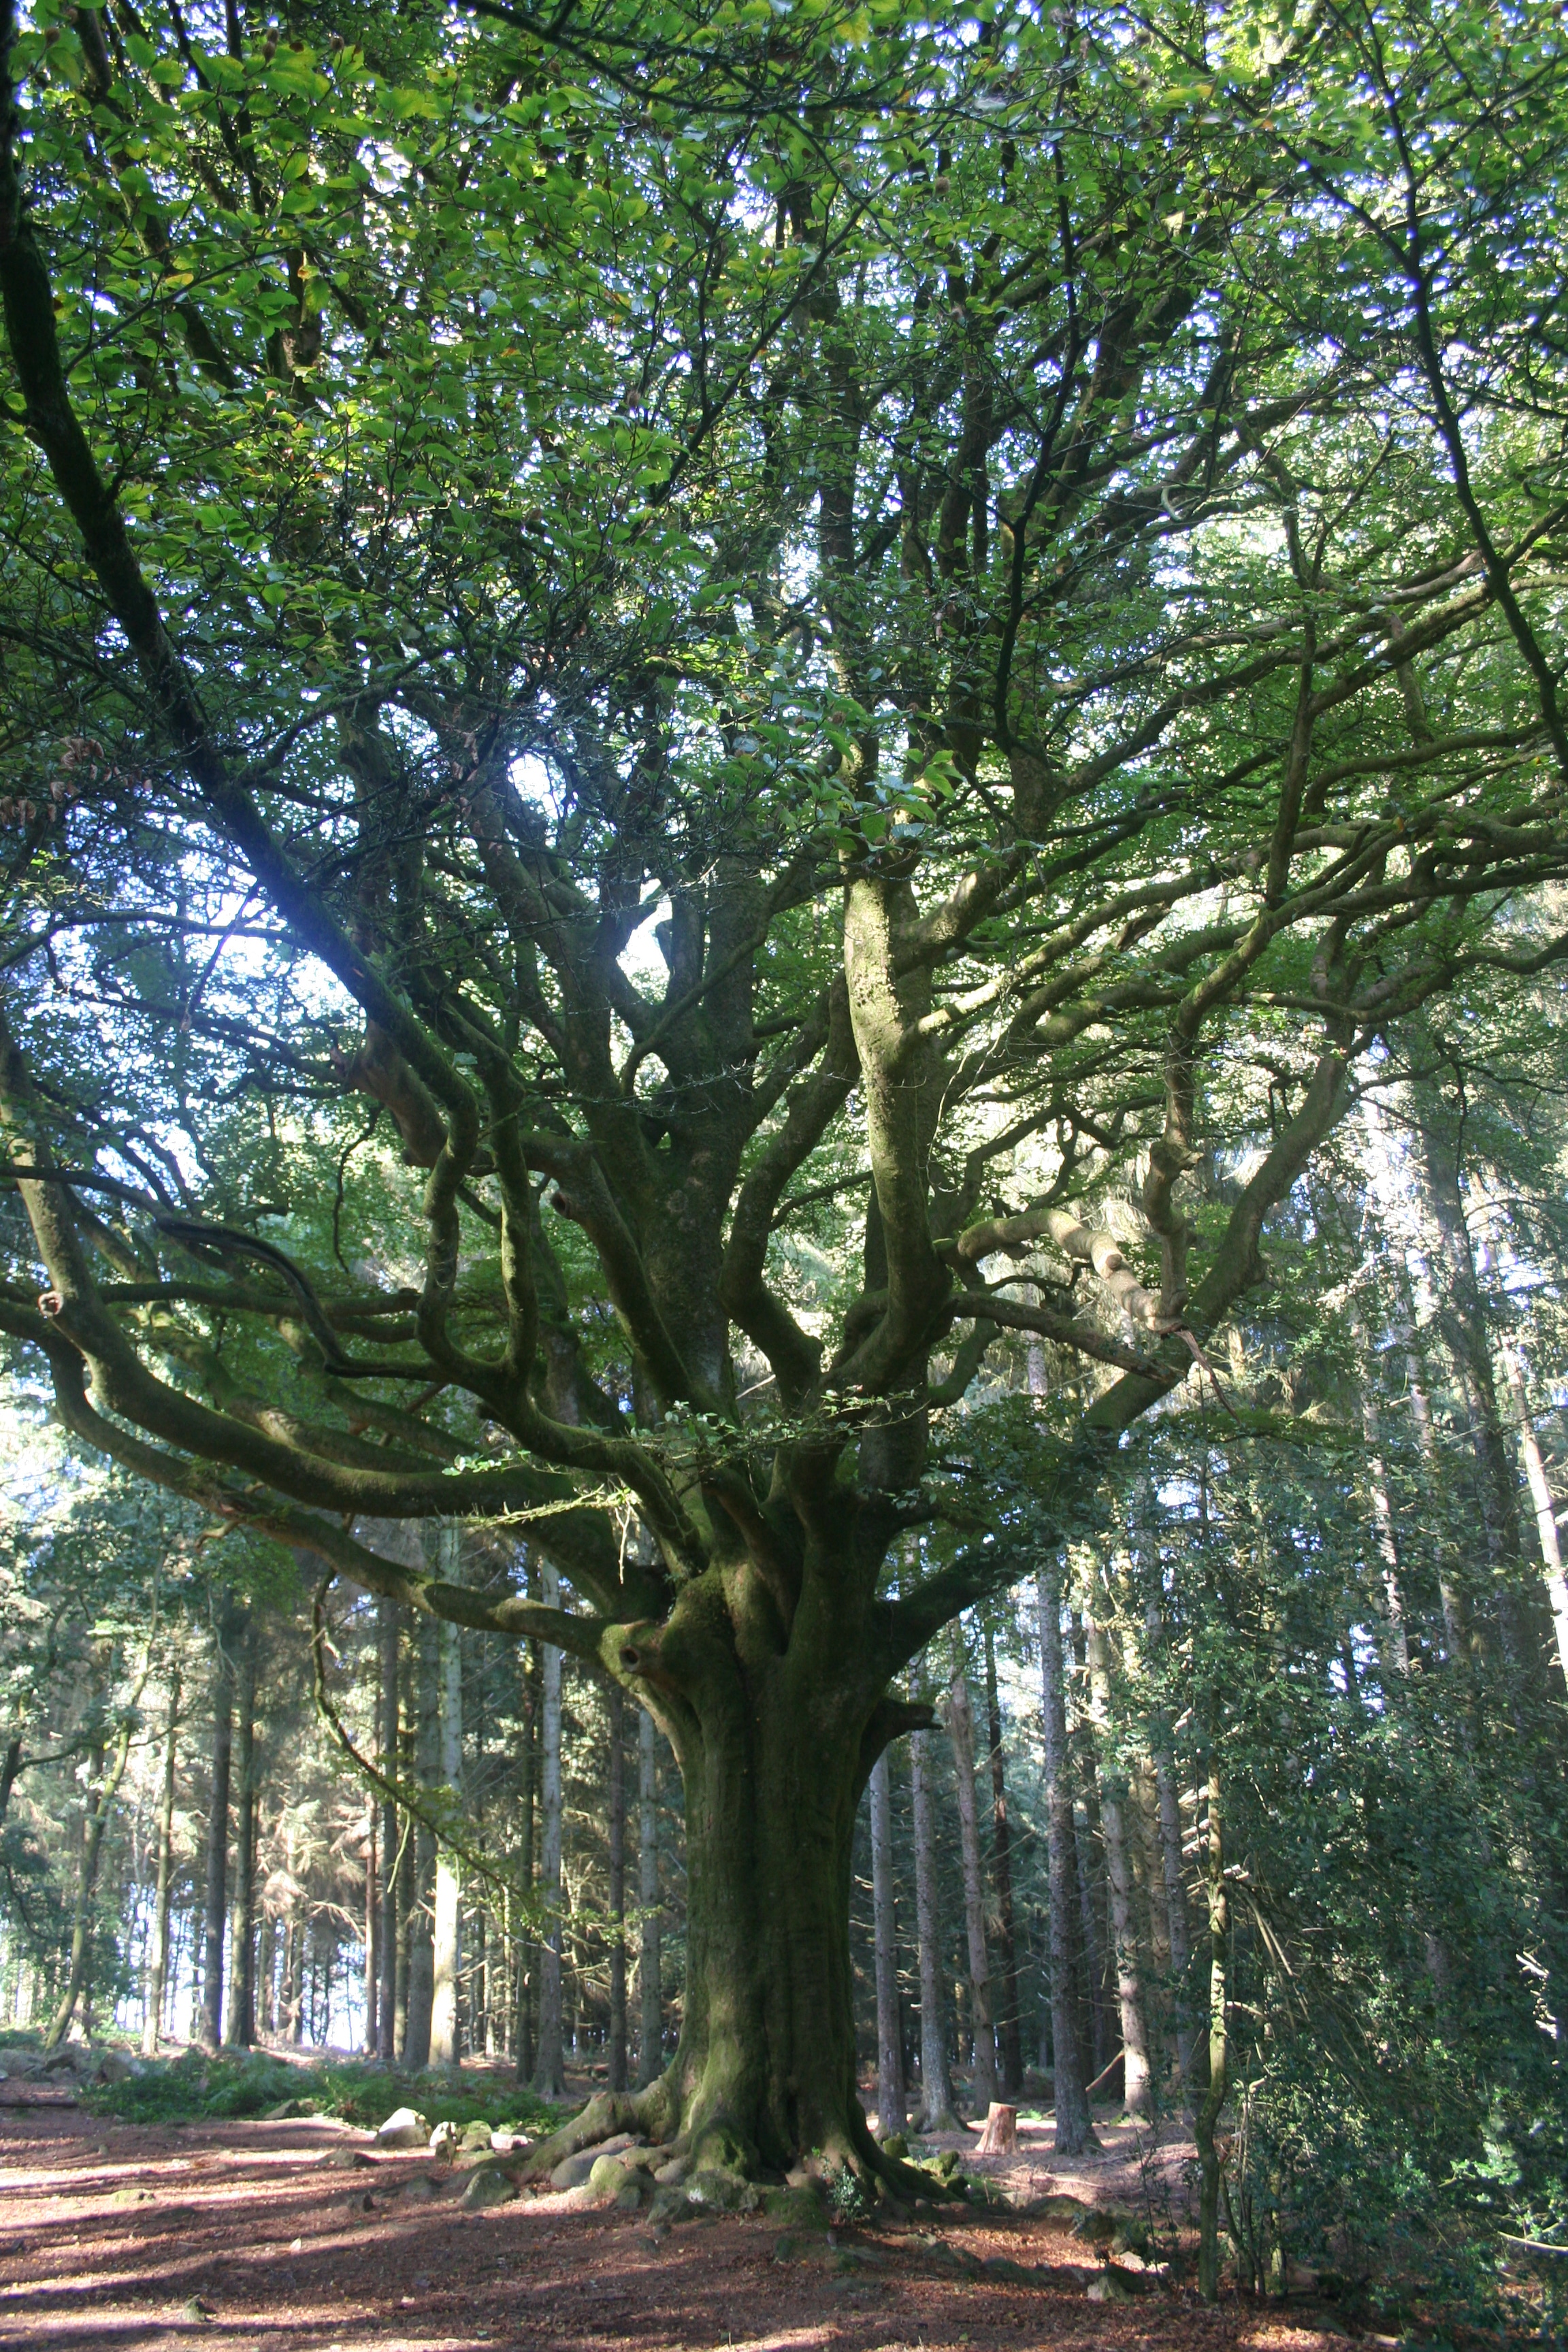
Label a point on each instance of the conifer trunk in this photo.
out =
(1114, 1822)
(428, 1767)
(158, 1943)
(1008, 2037)
(890, 2110)
(618, 1889)
(446, 1943)
(1074, 2125)
(936, 2088)
(209, 2021)
(961, 1730)
(550, 2067)
(386, 1747)
(240, 2030)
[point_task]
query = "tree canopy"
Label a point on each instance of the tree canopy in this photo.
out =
(706, 705)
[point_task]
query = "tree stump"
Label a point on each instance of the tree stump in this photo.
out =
(1000, 2136)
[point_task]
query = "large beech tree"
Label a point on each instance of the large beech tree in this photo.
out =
(743, 622)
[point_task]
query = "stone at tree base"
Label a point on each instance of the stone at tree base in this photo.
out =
(347, 2159)
(611, 2180)
(1059, 2208)
(1110, 2287)
(723, 2192)
(574, 2170)
(1097, 2224)
(796, 2209)
(896, 2144)
(671, 2205)
(488, 2186)
(404, 2127)
(1000, 2136)
(476, 2135)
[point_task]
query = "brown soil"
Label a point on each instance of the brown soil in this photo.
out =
(111, 2234)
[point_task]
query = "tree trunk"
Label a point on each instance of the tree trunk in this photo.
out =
(1170, 1818)
(549, 2068)
(528, 1782)
(1089, 1837)
(1214, 2097)
(650, 1989)
(94, 1823)
(1395, 1638)
(158, 1944)
(1008, 2037)
(1541, 1499)
(1075, 2126)
(1135, 2089)
(404, 1892)
(936, 2089)
(371, 2000)
(427, 1771)
(240, 2031)
(960, 1731)
(387, 1758)
(208, 2025)
(446, 1956)
(890, 2110)
(618, 1890)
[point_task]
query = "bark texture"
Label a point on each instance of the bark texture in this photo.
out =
(960, 1731)
(209, 2019)
(1074, 2125)
(550, 2066)
(937, 2110)
(891, 2106)
(155, 1985)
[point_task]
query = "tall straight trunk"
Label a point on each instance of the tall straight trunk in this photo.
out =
(891, 2106)
(1464, 1324)
(209, 2024)
(446, 1953)
(1074, 2125)
(1089, 1834)
(1213, 2102)
(1168, 1799)
(617, 1836)
(1118, 1833)
(650, 1989)
(1457, 1637)
(404, 1890)
(528, 1782)
(109, 1770)
(240, 2031)
(386, 1758)
(1396, 1637)
(372, 1998)
(961, 1731)
(427, 1771)
(1008, 2035)
(550, 2067)
(936, 2087)
(158, 1944)
(1541, 1501)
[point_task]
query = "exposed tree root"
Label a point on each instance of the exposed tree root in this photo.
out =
(655, 2114)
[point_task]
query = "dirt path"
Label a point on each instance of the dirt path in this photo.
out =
(292, 2238)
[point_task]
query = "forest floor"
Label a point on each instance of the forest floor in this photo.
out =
(298, 2236)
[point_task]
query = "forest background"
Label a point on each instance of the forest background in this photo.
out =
(783, 864)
